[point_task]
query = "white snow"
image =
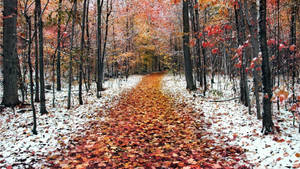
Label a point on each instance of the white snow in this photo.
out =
(20, 148)
(232, 120)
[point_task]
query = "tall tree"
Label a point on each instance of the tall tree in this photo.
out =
(252, 26)
(88, 66)
(28, 20)
(41, 57)
(198, 42)
(10, 57)
(81, 52)
(294, 9)
(267, 84)
(74, 11)
(58, 64)
(108, 12)
(186, 47)
(36, 53)
(99, 44)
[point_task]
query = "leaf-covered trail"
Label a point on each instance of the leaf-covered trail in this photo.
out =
(146, 130)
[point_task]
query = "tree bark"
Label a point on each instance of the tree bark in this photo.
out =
(204, 57)
(36, 50)
(81, 53)
(252, 26)
(58, 64)
(74, 11)
(108, 12)
(266, 75)
(186, 47)
(28, 20)
(99, 44)
(88, 47)
(41, 58)
(10, 56)
(198, 43)
(241, 35)
(294, 9)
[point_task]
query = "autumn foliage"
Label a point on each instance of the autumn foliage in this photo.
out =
(146, 130)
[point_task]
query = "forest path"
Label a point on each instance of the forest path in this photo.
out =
(146, 130)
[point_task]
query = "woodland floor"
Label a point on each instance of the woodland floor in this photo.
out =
(147, 129)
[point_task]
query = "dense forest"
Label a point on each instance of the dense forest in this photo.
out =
(62, 55)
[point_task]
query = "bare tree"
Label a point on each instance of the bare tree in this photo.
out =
(10, 57)
(266, 73)
(186, 47)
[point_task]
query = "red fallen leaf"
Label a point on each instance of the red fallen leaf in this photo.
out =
(297, 155)
(9, 167)
(278, 140)
(296, 165)
(216, 166)
(278, 159)
(191, 161)
(294, 107)
(235, 135)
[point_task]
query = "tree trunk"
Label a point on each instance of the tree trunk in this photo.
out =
(252, 26)
(240, 25)
(267, 86)
(71, 53)
(198, 43)
(186, 47)
(81, 52)
(108, 12)
(58, 73)
(10, 56)
(293, 42)
(204, 57)
(41, 58)
(28, 20)
(36, 50)
(99, 44)
(88, 47)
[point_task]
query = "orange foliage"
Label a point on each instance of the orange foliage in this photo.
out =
(146, 130)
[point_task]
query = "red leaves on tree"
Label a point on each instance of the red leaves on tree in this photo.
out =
(205, 44)
(292, 48)
(215, 51)
(282, 46)
(271, 42)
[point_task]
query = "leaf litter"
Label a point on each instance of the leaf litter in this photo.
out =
(146, 129)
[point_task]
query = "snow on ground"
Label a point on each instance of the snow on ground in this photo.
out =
(231, 119)
(20, 148)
